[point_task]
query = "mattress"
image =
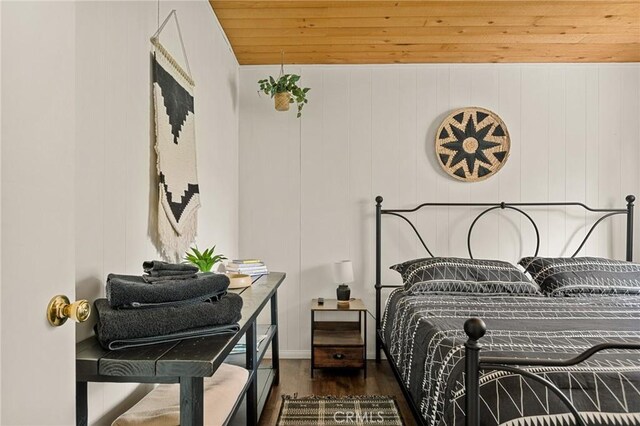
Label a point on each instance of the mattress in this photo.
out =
(425, 339)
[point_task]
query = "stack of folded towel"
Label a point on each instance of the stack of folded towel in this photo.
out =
(157, 270)
(170, 302)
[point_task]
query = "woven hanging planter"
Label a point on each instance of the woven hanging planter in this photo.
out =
(472, 144)
(282, 101)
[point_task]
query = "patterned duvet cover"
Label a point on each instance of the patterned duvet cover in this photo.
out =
(424, 335)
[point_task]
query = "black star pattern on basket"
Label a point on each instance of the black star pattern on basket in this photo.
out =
(470, 144)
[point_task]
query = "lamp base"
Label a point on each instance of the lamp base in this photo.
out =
(343, 292)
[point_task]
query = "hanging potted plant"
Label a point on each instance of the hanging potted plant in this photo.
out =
(285, 91)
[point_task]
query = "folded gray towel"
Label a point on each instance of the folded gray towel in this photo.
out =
(156, 279)
(118, 344)
(130, 291)
(158, 268)
(146, 326)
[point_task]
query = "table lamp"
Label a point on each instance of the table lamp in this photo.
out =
(343, 274)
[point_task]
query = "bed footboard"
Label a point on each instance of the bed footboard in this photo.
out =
(475, 329)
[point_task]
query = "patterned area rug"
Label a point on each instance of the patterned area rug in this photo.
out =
(334, 411)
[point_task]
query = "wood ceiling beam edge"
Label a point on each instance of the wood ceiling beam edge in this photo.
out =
(296, 57)
(448, 60)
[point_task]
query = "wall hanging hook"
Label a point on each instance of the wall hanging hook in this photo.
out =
(156, 37)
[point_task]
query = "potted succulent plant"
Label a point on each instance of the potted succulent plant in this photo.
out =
(285, 91)
(205, 260)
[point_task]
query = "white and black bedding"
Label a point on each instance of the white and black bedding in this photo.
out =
(425, 338)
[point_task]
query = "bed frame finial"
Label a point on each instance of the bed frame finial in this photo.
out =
(475, 328)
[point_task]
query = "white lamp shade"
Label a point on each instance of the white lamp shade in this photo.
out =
(343, 272)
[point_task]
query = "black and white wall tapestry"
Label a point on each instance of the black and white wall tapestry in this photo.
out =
(175, 145)
(472, 144)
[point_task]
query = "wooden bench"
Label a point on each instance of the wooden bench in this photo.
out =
(187, 362)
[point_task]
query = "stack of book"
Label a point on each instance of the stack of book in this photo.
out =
(241, 346)
(253, 267)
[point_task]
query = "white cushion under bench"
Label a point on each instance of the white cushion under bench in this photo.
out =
(161, 406)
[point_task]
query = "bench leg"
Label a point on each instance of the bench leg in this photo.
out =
(252, 366)
(275, 346)
(191, 401)
(82, 410)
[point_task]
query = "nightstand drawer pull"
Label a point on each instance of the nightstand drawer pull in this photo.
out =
(338, 356)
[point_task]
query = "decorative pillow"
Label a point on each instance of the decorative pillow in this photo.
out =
(456, 275)
(566, 276)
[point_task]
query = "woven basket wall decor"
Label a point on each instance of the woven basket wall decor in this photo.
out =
(472, 144)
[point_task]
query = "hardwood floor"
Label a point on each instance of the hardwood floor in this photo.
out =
(295, 378)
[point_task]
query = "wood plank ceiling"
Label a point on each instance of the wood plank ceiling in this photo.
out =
(411, 31)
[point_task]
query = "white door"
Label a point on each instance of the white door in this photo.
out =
(37, 188)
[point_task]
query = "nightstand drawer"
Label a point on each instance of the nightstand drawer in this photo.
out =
(338, 356)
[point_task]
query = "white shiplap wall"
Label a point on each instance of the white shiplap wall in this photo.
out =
(307, 186)
(116, 200)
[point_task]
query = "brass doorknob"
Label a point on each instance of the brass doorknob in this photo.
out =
(60, 309)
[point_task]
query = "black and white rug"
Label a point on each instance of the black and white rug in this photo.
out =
(339, 410)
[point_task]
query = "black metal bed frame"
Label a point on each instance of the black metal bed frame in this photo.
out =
(475, 328)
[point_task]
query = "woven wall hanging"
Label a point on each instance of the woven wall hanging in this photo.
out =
(472, 144)
(175, 145)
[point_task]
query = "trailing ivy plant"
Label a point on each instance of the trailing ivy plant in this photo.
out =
(288, 83)
(204, 260)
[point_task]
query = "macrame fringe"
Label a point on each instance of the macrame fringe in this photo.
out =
(173, 245)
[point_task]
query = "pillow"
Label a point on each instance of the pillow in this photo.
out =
(456, 275)
(566, 276)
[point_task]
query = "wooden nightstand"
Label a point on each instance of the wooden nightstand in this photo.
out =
(339, 344)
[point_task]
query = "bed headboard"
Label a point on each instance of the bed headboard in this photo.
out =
(488, 207)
